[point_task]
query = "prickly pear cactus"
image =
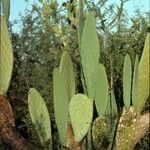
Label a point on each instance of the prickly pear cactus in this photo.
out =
(6, 8)
(113, 103)
(66, 68)
(61, 104)
(80, 21)
(6, 57)
(39, 115)
(143, 77)
(127, 73)
(81, 114)
(111, 117)
(101, 90)
(89, 53)
(135, 80)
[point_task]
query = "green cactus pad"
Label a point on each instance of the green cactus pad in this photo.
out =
(81, 114)
(127, 73)
(101, 91)
(66, 68)
(61, 104)
(39, 115)
(90, 53)
(6, 8)
(6, 57)
(89, 140)
(112, 105)
(80, 16)
(135, 80)
(143, 76)
(111, 117)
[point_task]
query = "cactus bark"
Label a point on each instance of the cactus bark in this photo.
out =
(131, 129)
(7, 128)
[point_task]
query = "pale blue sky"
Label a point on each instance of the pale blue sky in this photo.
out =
(19, 6)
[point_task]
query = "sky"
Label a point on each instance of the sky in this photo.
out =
(18, 7)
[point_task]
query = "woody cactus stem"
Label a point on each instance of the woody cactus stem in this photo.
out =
(142, 128)
(71, 143)
(13, 138)
(131, 129)
(7, 128)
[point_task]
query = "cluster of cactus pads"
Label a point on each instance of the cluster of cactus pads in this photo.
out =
(77, 129)
(76, 109)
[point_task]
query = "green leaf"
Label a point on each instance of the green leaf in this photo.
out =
(81, 114)
(143, 76)
(6, 58)
(101, 90)
(39, 115)
(61, 104)
(6, 8)
(66, 68)
(135, 80)
(90, 53)
(127, 72)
